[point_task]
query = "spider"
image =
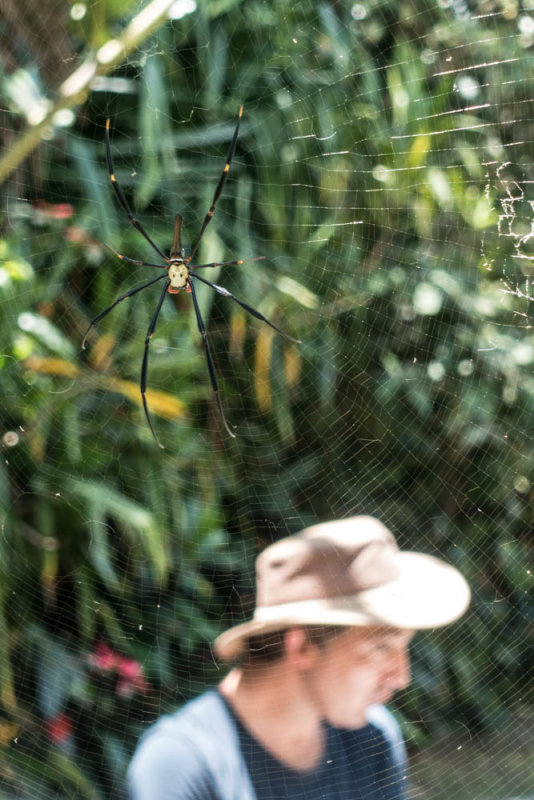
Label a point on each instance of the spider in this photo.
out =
(179, 273)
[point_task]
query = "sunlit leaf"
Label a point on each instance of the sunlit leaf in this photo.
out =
(100, 353)
(161, 403)
(52, 366)
(292, 366)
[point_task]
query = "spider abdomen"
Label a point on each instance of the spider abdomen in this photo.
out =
(178, 276)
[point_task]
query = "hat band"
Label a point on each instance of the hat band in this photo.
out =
(311, 610)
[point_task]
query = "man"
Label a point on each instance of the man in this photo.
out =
(300, 716)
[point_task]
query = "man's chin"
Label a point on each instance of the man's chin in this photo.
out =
(351, 723)
(381, 699)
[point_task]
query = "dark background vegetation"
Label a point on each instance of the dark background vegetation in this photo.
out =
(384, 170)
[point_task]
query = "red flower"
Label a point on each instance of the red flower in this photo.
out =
(59, 728)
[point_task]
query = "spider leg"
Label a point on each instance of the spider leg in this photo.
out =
(144, 366)
(220, 186)
(257, 314)
(116, 303)
(122, 200)
(209, 359)
(135, 261)
(224, 263)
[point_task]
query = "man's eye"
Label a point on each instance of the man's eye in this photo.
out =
(383, 648)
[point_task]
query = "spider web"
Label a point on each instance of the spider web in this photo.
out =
(384, 173)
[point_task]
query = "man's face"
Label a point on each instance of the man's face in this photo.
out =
(359, 667)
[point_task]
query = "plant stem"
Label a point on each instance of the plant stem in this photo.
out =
(74, 90)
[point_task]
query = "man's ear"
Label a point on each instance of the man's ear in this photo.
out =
(299, 651)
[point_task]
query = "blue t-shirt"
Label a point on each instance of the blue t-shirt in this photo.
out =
(203, 752)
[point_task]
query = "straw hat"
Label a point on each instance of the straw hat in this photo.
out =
(348, 572)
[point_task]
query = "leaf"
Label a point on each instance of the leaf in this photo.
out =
(47, 333)
(154, 115)
(49, 572)
(51, 366)
(160, 403)
(67, 773)
(95, 183)
(100, 353)
(238, 332)
(292, 366)
(419, 150)
(7, 686)
(262, 363)
(132, 516)
(87, 603)
(56, 670)
(281, 391)
(100, 553)
(218, 59)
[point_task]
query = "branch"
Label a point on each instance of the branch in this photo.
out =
(74, 90)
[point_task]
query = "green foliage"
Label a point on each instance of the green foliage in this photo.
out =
(396, 244)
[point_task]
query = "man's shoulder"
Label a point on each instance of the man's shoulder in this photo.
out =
(190, 753)
(205, 713)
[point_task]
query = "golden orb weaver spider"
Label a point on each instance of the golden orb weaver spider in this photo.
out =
(179, 274)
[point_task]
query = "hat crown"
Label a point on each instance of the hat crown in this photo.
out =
(329, 560)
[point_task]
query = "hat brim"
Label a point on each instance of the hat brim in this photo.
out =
(426, 594)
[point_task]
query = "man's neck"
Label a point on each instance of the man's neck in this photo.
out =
(275, 709)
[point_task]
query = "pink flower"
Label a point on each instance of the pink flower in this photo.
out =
(129, 671)
(131, 677)
(54, 210)
(103, 658)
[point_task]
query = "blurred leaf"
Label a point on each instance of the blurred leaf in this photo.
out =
(262, 363)
(57, 671)
(153, 128)
(160, 403)
(99, 191)
(52, 366)
(292, 366)
(45, 332)
(7, 684)
(103, 500)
